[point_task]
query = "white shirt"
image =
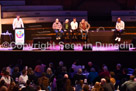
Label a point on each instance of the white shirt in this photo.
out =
(120, 25)
(6, 79)
(18, 23)
(23, 79)
(74, 25)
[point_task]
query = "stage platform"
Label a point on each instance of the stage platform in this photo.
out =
(99, 56)
(58, 48)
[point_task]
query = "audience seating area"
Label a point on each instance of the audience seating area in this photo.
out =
(62, 77)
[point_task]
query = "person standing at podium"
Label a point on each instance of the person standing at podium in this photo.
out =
(120, 26)
(17, 23)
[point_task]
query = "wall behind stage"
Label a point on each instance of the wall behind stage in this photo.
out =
(68, 4)
(96, 8)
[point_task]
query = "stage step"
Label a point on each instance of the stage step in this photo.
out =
(12, 3)
(31, 8)
(29, 20)
(44, 13)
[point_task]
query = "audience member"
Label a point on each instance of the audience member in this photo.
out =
(43, 81)
(129, 85)
(28, 87)
(92, 75)
(23, 77)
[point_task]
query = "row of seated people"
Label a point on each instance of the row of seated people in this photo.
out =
(71, 28)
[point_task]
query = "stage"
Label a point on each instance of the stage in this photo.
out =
(59, 48)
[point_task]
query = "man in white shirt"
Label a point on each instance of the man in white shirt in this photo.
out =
(17, 23)
(74, 28)
(120, 26)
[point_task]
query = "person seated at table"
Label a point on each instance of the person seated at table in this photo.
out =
(66, 28)
(57, 27)
(120, 26)
(74, 28)
(84, 26)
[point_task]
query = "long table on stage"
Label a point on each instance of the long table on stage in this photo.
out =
(101, 36)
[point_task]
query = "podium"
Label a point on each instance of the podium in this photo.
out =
(19, 38)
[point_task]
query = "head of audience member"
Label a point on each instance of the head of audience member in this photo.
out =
(30, 71)
(61, 63)
(90, 64)
(79, 71)
(6, 74)
(132, 78)
(18, 17)
(57, 20)
(86, 88)
(24, 72)
(119, 19)
(64, 69)
(49, 71)
(66, 76)
(118, 66)
(103, 81)
(83, 21)
(67, 21)
(112, 74)
(74, 19)
(97, 86)
(16, 69)
(39, 88)
(8, 69)
(3, 88)
(92, 70)
(51, 65)
(105, 68)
